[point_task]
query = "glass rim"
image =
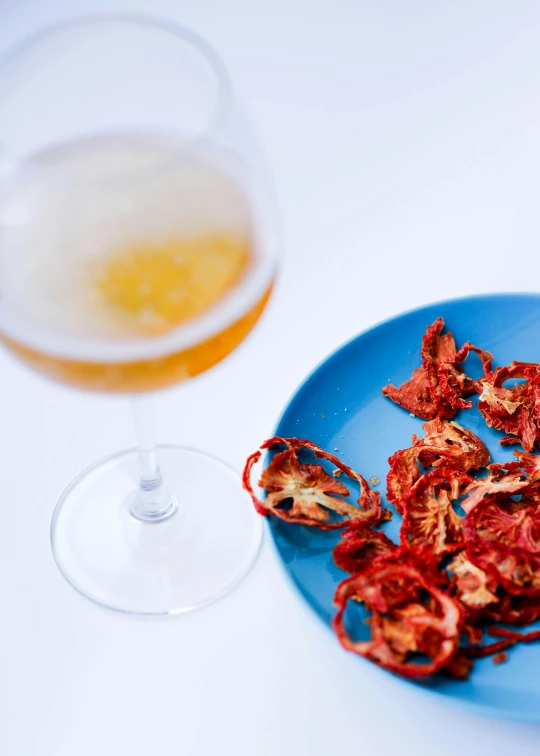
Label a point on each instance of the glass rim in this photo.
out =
(157, 23)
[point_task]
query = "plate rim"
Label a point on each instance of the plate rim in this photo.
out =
(440, 696)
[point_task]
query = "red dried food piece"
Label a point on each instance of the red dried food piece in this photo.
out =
(311, 490)
(503, 538)
(438, 388)
(403, 473)
(414, 395)
(359, 546)
(429, 518)
(480, 652)
(459, 667)
(531, 469)
(445, 444)
(514, 610)
(486, 358)
(500, 658)
(501, 481)
(515, 410)
(438, 360)
(474, 587)
(517, 570)
(419, 557)
(448, 444)
(503, 632)
(505, 523)
(410, 615)
(530, 464)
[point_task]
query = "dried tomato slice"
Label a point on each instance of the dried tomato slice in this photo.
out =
(486, 358)
(414, 395)
(459, 667)
(501, 481)
(312, 492)
(429, 518)
(420, 557)
(411, 616)
(514, 610)
(505, 522)
(445, 444)
(359, 546)
(531, 467)
(437, 389)
(518, 571)
(436, 350)
(502, 539)
(403, 473)
(515, 410)
(448, 444)
(474, 587)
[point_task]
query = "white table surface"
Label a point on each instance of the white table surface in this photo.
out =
(405, 141)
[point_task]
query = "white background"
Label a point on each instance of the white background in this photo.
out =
(405, 142)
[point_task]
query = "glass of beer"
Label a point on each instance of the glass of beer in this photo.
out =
(138, 244)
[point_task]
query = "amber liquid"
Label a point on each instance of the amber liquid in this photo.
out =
(143, 375)
(149, 290)
(142, 284)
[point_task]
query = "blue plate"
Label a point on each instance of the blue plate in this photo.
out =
(341, 408)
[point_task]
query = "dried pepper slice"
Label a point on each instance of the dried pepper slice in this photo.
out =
(437, 389)
(359, 546)
(515, 410)
(311, 491)
(410, 615)
(429, 519)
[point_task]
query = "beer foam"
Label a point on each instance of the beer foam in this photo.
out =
(66, 211)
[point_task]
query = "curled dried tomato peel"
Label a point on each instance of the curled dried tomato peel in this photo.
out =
(516, 409)
(313, 493)
(502, 537)
(410, 616)
(359, 546)
(429, 518)
(438, 388)
(445, 444)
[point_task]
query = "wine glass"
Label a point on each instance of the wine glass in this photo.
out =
(137, 249)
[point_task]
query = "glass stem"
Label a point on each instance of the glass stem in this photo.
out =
(151, 502)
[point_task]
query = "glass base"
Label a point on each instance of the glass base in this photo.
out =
(194, 555)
